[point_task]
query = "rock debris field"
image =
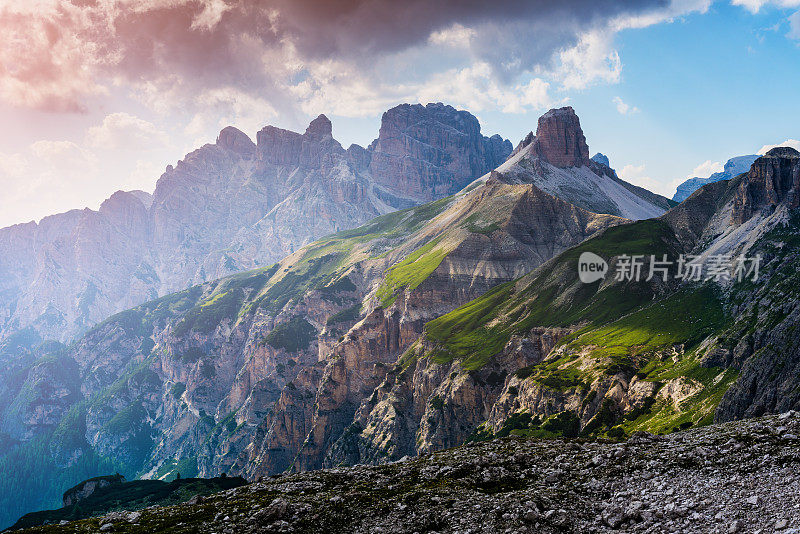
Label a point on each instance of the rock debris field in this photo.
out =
(742, 476)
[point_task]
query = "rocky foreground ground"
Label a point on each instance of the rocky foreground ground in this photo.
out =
(735, 477)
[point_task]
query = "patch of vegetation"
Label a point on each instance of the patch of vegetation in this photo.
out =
(294, 335)
(207, 369)
(686, 318)
(343, 284)
(662, 417)
(478, 330)
(463, 334)
(226, 301)
(33, 479)
(192, 355)
(474, 224)
(345, 316)
(205, 318)
(313, 271)
(411, 272)
(562, 425)
(561, 379)
(177, 390)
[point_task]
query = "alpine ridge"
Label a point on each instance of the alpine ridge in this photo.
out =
(733, 167)
(227, 207)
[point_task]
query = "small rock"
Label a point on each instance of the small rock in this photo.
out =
(197, 499)
(552, 477)
(781, 524)
(531, 515)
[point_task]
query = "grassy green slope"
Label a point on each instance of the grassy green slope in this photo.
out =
(551, 296)
(651, 331)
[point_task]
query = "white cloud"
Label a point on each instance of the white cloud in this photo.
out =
(456, 36)
(794, 26)
(230, 106)
(122, 131)
(595, 60)
(637, 175)
(590, 61)
(210, 15)
(754, 6)
(706, 169)
(64, 156)
(338, 88)
(624, 108)
(144, 176)
(675, 9)
(794, 143)
(13, 165)
(477, 89)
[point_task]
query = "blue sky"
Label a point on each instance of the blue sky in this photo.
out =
(665, 90)
(705, 87)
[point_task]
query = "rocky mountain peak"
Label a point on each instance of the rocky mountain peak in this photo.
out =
(560, 140)
(319, 129)
(525, 142)
(602, 159)
(234, 139)
(783, 152)
(426, 152)
(143, 196)
(773, 179)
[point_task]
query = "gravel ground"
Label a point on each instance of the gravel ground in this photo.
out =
(736, 477)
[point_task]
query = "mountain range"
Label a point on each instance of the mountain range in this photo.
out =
(733, 168)
(455, 321)
(195, 380)
(227, 207)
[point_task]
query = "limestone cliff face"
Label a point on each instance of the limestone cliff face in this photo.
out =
(51, 386)
(427, 152)
(773, 179)
(363, 364)
(426, 406)
(560, 140)
(227, 207)
(87, 488)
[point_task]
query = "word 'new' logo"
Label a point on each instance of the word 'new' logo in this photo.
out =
(591, 267)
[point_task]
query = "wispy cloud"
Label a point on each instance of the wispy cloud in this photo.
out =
(624, 108)
(638, 175)
(706, 169)
(794, 26)
(794, 143)
(127, 132)
(754, 6)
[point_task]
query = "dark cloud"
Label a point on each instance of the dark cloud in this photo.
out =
(364, 27)
(55, 58)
